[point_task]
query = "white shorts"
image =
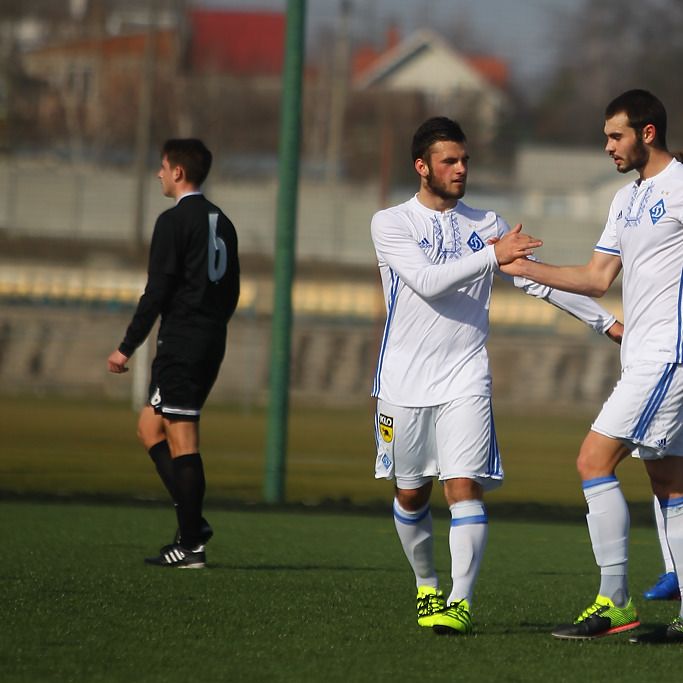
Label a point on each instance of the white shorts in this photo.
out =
(645, 410)
(448, 441)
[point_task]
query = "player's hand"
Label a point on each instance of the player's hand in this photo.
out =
(515, 268)
(117, 363)
(615, 332)
(515, 244)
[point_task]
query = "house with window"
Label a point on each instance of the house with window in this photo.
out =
(466, 87)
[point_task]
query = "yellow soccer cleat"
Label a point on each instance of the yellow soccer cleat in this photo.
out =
(455, 620)
(430, 601)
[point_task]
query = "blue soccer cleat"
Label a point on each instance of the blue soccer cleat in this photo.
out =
(666, 588)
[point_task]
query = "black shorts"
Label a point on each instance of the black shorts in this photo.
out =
(183, 372)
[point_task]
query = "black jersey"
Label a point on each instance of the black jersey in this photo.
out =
(193, 275)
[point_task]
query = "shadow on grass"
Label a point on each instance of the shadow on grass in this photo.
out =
(292, 567)
(641, 513)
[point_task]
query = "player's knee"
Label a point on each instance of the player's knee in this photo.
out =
(413, 499)
(585, 465)
(461, 489)
(143, 438)
(589, 464)
(660, 481)
(148, 437)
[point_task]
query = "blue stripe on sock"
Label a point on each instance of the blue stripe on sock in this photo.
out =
(472, 519)
(590, 483)
(671, 503)
(410, 520)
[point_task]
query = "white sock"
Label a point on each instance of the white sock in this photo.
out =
(661, 533)
(672, 511)
(608, 526)
(415, 533)
(467, 540)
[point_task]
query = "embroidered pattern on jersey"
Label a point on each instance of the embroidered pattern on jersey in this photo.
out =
(631, 219)
(475, 243)
(386, 427)
(657, 211)
(454, 248)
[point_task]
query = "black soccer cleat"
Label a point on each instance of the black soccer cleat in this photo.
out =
(205, 534)
(602, 618)
(664, 635)
(174, 555)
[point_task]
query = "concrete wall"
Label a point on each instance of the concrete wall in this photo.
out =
(81, 202)
(63, 351)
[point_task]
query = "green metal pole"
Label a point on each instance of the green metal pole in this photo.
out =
(285, 244)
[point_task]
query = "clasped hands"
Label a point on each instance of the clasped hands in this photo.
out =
(513, 246)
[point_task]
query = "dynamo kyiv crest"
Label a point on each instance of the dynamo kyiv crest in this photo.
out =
(657, 211)
(474, 242)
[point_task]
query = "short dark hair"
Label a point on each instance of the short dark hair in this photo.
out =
(192, 155)
(641, 108)
(438, 128)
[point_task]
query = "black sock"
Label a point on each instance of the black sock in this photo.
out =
(190, 487)
(161, 456)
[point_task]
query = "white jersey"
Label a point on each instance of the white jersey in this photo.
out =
(645, 228)
(437, 272)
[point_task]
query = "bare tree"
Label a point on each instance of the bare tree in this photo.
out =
(613, 45)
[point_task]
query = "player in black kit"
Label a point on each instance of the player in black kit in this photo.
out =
(193, 284)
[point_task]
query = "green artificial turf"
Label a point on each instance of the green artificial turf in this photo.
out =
(296, 597)
(66, 447)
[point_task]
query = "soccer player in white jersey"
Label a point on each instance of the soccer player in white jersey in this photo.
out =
(644, 414)
(437, 257)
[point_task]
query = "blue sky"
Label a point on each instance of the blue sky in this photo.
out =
(523, 32)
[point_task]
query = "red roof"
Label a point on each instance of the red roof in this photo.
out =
(244, 43)
(491, 68)
(366, 55)
(494, 70)
(363, 58)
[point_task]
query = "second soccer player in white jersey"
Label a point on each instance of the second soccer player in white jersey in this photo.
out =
(644, 414)
(437, 257)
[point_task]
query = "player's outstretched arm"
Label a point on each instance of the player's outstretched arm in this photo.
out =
(396, 245)
(513, 245)
(592, 279)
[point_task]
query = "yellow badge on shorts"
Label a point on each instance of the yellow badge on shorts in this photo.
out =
(386, 427)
